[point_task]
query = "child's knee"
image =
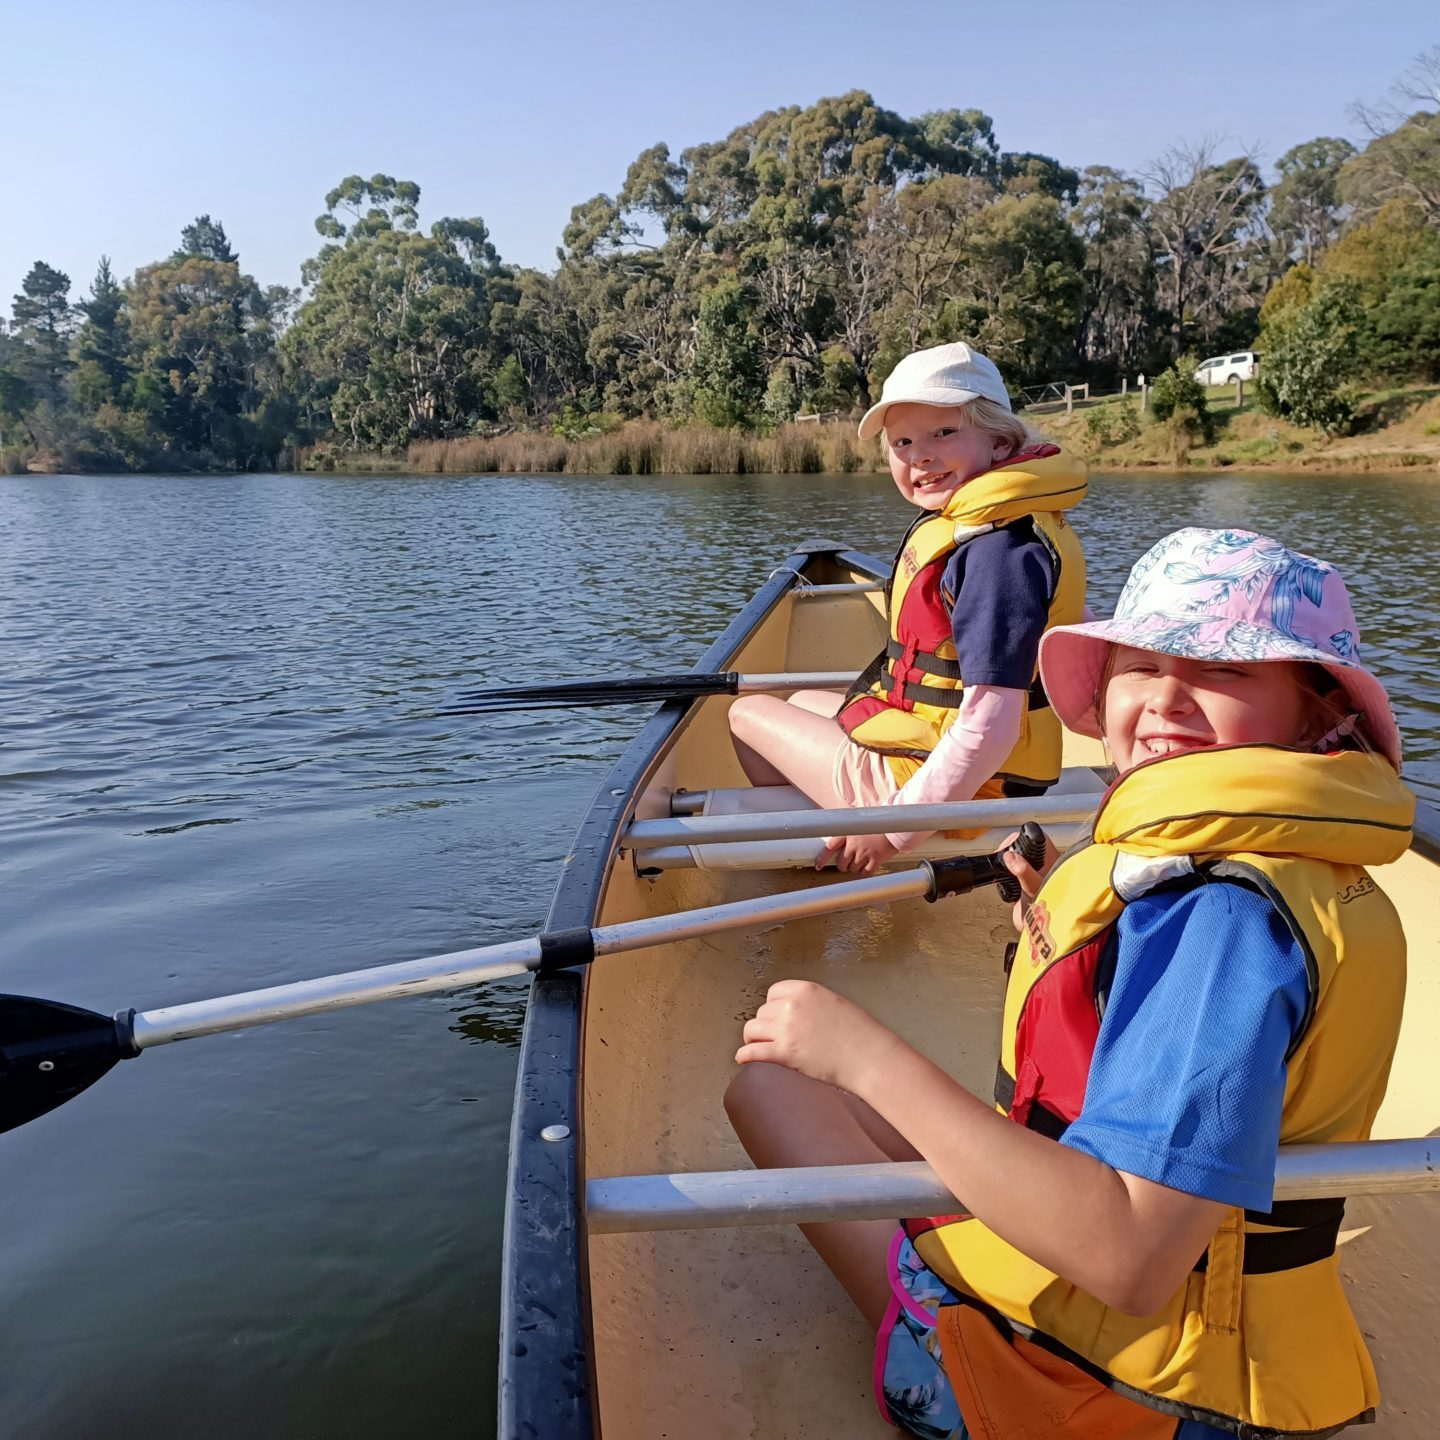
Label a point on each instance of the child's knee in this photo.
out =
(752, 1092)
(742, 714)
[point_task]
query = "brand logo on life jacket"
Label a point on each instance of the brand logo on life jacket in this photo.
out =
(1363, 886)
(1037, 926)
(907, 559)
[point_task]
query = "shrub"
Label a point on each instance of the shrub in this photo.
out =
(1177, 389)
(1112, 423)
(1311, 355)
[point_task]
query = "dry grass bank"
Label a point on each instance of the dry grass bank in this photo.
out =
(641, 447)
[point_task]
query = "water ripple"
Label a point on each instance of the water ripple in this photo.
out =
(248, 669)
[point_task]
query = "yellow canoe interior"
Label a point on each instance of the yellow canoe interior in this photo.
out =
(742, 1332)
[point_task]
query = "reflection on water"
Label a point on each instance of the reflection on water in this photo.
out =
(221, 768)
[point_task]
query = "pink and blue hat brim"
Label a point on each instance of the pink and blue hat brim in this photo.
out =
(1221, 595)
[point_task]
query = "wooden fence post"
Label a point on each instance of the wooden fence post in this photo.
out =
(1239, 392)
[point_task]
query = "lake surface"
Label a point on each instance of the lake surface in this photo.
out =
(221, 769)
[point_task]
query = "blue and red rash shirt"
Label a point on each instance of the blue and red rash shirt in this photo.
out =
(1002, 583)
(1187, 1080)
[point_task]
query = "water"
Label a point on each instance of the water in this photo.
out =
(221, 769)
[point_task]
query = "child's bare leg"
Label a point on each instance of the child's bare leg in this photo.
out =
(819, 702)
(783, 1119)
(778, 743)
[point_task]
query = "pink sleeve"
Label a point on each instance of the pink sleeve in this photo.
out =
(969, 753)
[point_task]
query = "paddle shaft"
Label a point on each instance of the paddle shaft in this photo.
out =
(462, 968)
(643, 690)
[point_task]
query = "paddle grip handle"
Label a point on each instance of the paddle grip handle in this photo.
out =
(1030, 847)
(967, 872)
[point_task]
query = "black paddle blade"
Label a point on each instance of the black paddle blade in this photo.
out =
(631, 690)
(49, 1053)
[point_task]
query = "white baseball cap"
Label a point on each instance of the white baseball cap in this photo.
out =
(942, 375)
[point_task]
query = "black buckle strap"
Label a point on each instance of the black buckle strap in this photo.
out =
(1316, 1232)
(928, 664)
(924, 661)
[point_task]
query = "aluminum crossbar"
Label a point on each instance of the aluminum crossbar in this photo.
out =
(863, 820)
(723, 1199)
(829, 592)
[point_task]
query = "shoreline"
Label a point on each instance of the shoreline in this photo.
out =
(1397, 433)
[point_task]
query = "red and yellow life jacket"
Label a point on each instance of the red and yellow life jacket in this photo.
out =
(909, 695)
(1260, 1340)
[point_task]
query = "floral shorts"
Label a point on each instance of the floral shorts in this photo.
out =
(911, 1387)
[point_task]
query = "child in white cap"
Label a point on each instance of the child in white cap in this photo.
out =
(1214, 974)
(952, 709)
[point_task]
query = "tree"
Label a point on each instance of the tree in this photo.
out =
(190, 323)
(1311, 354)
(1117, 309)
(729, 371)
(396, 334)
(1027, 173)
(102, 347)
(1203, 219)
(1017, 293)
(1402, 161)
(44, 322)
(205, 239)
(1402, 333)
(1305, 207)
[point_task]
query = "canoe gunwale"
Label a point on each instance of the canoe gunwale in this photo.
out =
(546, 1362)
(1426, 834)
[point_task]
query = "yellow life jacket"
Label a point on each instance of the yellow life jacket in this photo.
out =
(1259, 1340)
(910, 694)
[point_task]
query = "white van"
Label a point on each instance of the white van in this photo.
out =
(1226, 369)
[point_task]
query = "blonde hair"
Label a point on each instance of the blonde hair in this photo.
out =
(1003, 424)
(996, 421)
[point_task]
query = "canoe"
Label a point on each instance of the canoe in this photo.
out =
(735, 1328)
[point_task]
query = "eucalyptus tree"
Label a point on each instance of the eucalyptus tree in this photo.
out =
(1117, 311)
(198, 327)
(1402, 161)
(1206, 218)
(1306, 211)
(396, 334)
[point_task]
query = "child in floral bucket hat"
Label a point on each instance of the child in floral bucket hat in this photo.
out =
(1212, 975)
(1227, 596)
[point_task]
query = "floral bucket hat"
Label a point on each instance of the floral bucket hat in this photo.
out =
(1221, 595)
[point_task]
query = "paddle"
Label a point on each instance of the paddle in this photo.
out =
(638, 690)
(50, 1052)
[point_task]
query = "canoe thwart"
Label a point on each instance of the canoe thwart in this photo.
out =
(811, 824)
(723, 1199)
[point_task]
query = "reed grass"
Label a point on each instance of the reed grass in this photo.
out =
(644, 447)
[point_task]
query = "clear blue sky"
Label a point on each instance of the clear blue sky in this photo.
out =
(123, 121)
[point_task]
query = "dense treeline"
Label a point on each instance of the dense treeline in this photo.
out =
(781, 270)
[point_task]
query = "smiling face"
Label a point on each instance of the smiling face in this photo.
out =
(1157, 705)
(934, 450)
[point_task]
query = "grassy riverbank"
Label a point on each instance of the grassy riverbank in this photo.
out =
(1397, 431)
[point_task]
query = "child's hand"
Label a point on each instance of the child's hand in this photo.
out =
(865, 853)
(1030, 879)
(808, 1028)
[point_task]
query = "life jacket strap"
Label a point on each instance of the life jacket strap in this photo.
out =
(1268, 1251)
(1312, 1226)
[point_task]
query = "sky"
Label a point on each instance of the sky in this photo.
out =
(122, 122)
